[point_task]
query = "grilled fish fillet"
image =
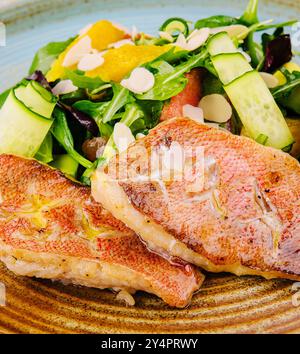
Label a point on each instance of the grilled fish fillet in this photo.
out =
(244, 217)
(50, 227)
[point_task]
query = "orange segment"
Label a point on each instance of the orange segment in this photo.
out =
(102, 33)
(119, 62)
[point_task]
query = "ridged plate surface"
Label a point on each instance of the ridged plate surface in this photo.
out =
(225, 304)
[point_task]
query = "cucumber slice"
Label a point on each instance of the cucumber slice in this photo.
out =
(220, 43)
(258, 111)
(66, 164)
(229, 66)
(174, 26)
(21, 130)
(36, 98)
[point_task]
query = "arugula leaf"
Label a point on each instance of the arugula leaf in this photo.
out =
(163, 90)
(62, 134)
(75, 96)
(46, 55)
(264, 27)
(105, 129)
(174, 55)
(121, 97)
(216, 21)
(170, 84)
(293, 80)
(4, 96)
(152, 112)
(132, 113)
(250, 17)
(255, 51)
(80, 80)
(93, 109)
(44, 153)
(288, 95)
(161, 66)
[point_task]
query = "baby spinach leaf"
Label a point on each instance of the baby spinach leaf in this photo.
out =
(216, 21)
(152, 112)
(80, 80)
(93, 109)
(60, 130)
(46, 55)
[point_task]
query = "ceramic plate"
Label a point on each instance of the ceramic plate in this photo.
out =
(225, 304)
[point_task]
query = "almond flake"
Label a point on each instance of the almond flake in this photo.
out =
(166, 36)
(90, 62)
(120, 43)
(122, 136)
(193, 112)
(64, 87)
(81, 48)
(140, 80)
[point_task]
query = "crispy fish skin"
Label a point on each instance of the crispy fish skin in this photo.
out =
(51, 227)
(246, 218)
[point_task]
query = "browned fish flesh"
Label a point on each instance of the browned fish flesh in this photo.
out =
(51, 227)
(244, 217)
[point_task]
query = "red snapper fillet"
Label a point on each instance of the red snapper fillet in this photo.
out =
(51, 227)
(243, 218)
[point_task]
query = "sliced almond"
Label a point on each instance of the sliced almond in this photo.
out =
(64, 87)
(166, 36)
(81, 48)
(270, 80)
(197, 38)
(140, 80)
(216, 108)
(120, 43)
(134, 32)
(240, 31)
(90, 62)
(122, 136)
(181, 41)
(192, 112)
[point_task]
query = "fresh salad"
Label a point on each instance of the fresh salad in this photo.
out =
(83, 97)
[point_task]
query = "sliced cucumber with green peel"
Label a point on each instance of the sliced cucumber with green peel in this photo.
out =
(248, 93)
(258, 111)
(229, 66)
(175, 26)
(36, 98)
(220, 43)
(22, 130)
